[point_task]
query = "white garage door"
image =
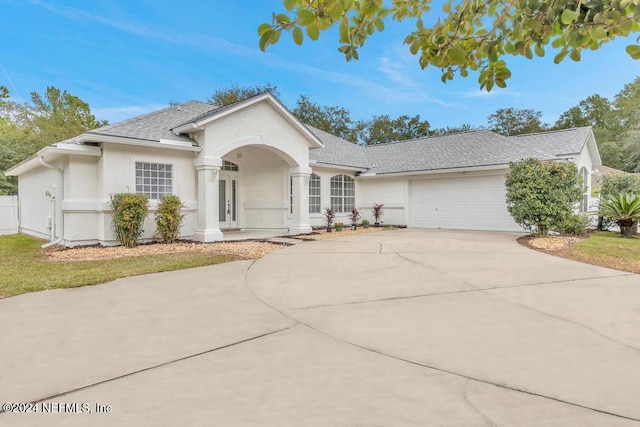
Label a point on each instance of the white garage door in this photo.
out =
(464, 203)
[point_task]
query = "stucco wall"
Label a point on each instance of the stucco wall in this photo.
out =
(263, 188)
(35, 206)
(392, 192)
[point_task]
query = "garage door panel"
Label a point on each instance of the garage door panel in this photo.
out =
(467, 203)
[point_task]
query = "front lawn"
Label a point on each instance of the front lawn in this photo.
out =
(607, 249)
(24, 266)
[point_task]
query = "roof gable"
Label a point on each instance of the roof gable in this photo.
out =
(157, 125)
(563, 142)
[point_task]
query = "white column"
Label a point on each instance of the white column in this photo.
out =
(208, 170)
(300, 177)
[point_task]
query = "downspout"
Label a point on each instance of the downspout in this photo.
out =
(61, 238)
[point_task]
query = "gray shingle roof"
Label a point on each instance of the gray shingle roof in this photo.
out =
(158, 124)
(559, 142)
(453, 151)
(337, 151)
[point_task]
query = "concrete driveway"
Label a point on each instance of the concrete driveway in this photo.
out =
(411, 327)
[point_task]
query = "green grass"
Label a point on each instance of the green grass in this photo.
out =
(25, 268)
(610, 243)
(608, 249)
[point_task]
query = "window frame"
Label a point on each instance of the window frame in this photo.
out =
(315, 200)
(343, 199)
(160, 188)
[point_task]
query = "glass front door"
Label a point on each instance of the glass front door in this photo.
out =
(228, 202)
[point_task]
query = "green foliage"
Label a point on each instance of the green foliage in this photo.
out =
(624, 209)
(541, 195)
(332, 119)
(26, 128)
(128, 211)
(382, 129)
(514, 121)
(169, 218)
(234, 93)
(466, 127)
(471, 36)
(618, 183)
(576, 225)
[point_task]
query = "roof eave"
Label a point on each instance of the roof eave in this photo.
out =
(437, 171)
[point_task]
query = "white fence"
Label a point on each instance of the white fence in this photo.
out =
(8, 214)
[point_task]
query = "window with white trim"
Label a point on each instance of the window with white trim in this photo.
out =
(228, 166)
(314, 194)
(155, 180)
(343, 193)
(584, 206)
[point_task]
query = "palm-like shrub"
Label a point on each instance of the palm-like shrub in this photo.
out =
(624, 209)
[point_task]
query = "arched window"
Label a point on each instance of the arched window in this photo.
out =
(314, 194)
(584, 206)
(343, 193)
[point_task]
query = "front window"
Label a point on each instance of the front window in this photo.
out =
(584, 206)
(314, 193)
(343, 193)
(155, 180)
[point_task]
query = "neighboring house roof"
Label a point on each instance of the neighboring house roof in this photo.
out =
(159, 124)
(453, 151)
(600, 171)
(563, 142)
(337, 151)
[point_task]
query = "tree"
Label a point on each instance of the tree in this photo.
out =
(26, 128)
(541, 195)
(514, 121)
(466, 127)
(473, 35)
(234, 93)
(382, 129)
(596, 111)
(627, 109)
(58, 115)
(333, 119)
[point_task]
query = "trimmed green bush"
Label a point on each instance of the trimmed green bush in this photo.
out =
(542, 194)
(169, 219)
(128, 211)
(576, 224)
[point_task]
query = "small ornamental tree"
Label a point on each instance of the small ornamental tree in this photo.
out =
(542, 195)
(128, 211)
(169, 218)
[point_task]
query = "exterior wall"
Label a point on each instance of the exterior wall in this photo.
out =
(263, 188)
(116, 174)
(392, 192)
(8, 215)
(39, 195)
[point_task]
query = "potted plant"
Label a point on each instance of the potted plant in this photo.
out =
(624, 209)
(355, 216)
(329, 217)
(365, 223)
(339, 226)
(377, 214)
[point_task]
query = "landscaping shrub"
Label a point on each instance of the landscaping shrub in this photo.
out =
(624, 209)
(128, 211)
(542, 194)
(576, 224)
(169, 218)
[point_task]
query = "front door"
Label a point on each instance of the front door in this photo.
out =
(228, 202)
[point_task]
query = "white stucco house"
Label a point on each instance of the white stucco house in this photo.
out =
(254, 166)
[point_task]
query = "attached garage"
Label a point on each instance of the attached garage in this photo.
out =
(467, 201)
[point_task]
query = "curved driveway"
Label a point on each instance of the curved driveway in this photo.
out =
(410, 327)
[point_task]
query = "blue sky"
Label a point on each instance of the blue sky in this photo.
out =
(129, 57)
